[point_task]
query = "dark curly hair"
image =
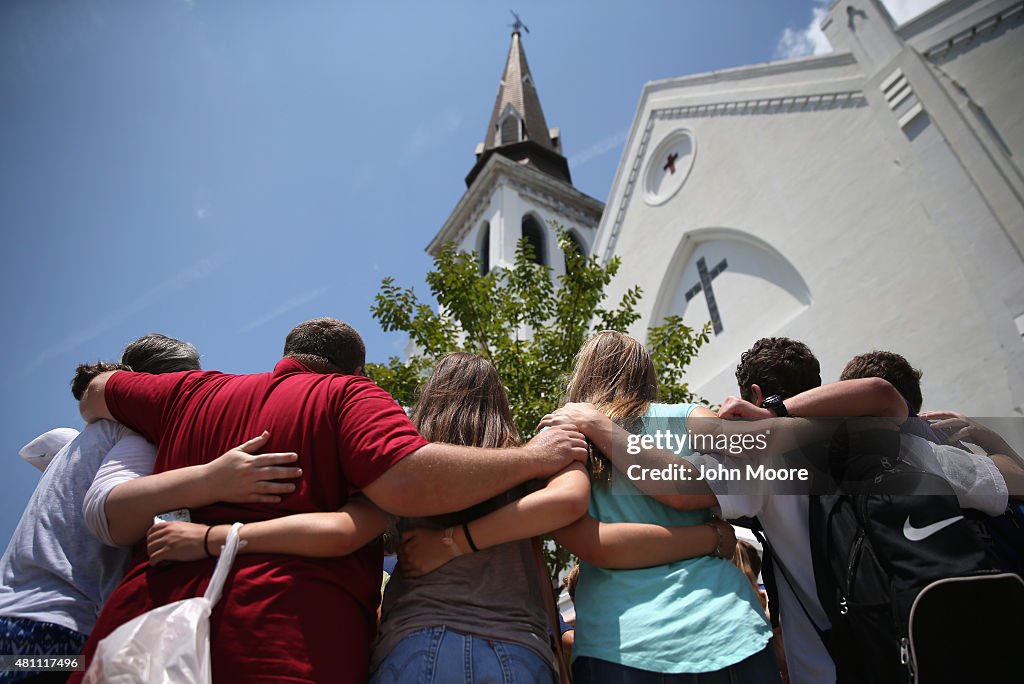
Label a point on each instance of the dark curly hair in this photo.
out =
(778, 365)
(889, 366)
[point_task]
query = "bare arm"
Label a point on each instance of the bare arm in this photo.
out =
(236, 476)
(962, 428)
(315, 535)
(563, 500)
(93, 404)
(843, 399)
(625, 546)
(442, 478)
(610, 439)
(959, 427)
(1012, 472)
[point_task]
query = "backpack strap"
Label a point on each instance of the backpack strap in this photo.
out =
(824, 635)
(771, 587)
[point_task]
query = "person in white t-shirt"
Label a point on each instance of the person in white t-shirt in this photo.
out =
(61, 563)
(782, 371)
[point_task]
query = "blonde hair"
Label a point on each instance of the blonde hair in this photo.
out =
(571, 580)
(748, 560)
(463, 402)
(615, 373)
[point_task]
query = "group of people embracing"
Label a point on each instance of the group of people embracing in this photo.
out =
(327, 465)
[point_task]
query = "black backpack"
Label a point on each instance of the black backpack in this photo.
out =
(912, 591)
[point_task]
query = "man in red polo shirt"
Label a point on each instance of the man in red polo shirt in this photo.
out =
(291, 618)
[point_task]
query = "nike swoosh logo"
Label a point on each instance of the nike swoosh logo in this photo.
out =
(919, 533)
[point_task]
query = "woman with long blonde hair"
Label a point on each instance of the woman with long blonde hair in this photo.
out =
(693, 620)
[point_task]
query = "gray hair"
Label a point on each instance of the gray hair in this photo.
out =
(156, 353)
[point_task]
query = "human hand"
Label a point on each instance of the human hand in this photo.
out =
(555, 448)
(175, 541)
(424, 550)
(584, 416)
(734, 408)
(958, 427)
(727, 538)
(242, 476)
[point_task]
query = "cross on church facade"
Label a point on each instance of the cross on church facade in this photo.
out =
(670, 165)
(709, 294)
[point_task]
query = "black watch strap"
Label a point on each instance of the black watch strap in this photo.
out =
(776, 405)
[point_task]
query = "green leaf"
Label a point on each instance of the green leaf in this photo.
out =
(528, 324)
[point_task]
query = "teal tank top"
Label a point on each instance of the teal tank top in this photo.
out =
(697, 615)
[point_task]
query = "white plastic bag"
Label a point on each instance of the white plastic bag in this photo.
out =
(169, 644)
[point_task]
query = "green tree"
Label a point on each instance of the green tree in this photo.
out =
(527, 324)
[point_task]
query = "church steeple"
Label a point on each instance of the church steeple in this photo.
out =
(517, 128)
(520, 185)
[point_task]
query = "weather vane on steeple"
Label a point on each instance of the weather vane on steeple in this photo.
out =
(518, 24)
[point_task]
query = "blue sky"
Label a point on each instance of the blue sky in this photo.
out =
(219, 171)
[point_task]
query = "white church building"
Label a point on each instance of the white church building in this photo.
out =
(871, 198)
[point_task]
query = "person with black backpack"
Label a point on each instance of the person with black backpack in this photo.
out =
(895, 568)
(873, 546)
(784, 375)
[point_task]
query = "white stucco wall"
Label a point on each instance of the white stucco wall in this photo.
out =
(901, 244)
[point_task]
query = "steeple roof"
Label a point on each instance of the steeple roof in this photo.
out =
(517, 128)
(517, 91)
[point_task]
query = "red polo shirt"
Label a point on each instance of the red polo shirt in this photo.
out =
(281, 618)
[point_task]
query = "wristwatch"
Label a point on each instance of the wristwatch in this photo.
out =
(775, 404)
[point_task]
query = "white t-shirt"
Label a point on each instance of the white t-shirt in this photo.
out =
(975, 480)
(54, 569)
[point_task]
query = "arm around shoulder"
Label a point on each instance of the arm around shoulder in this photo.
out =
(563, 500)
(314, 535)
(93, 404)
(626, 546)
(442, 478)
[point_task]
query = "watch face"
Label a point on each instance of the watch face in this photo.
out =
(775, 404)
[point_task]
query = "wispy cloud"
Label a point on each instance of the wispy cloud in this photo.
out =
(599, 148)
(201, 203)
(903, 11)
(810, 40)
(179, 281)
(293, 303)
(432, 133)
(453, 120)
(419, 140)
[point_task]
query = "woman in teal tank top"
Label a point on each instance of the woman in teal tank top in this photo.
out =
(694, 620)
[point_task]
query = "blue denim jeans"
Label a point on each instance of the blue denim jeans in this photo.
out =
(759, 668)
(441, 655)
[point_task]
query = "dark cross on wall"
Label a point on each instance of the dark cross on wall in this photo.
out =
(709, 293)
(670, 165)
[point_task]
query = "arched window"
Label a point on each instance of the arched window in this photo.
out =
(577, 245)
(533, 231)
(510, 129)
(484, 249)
